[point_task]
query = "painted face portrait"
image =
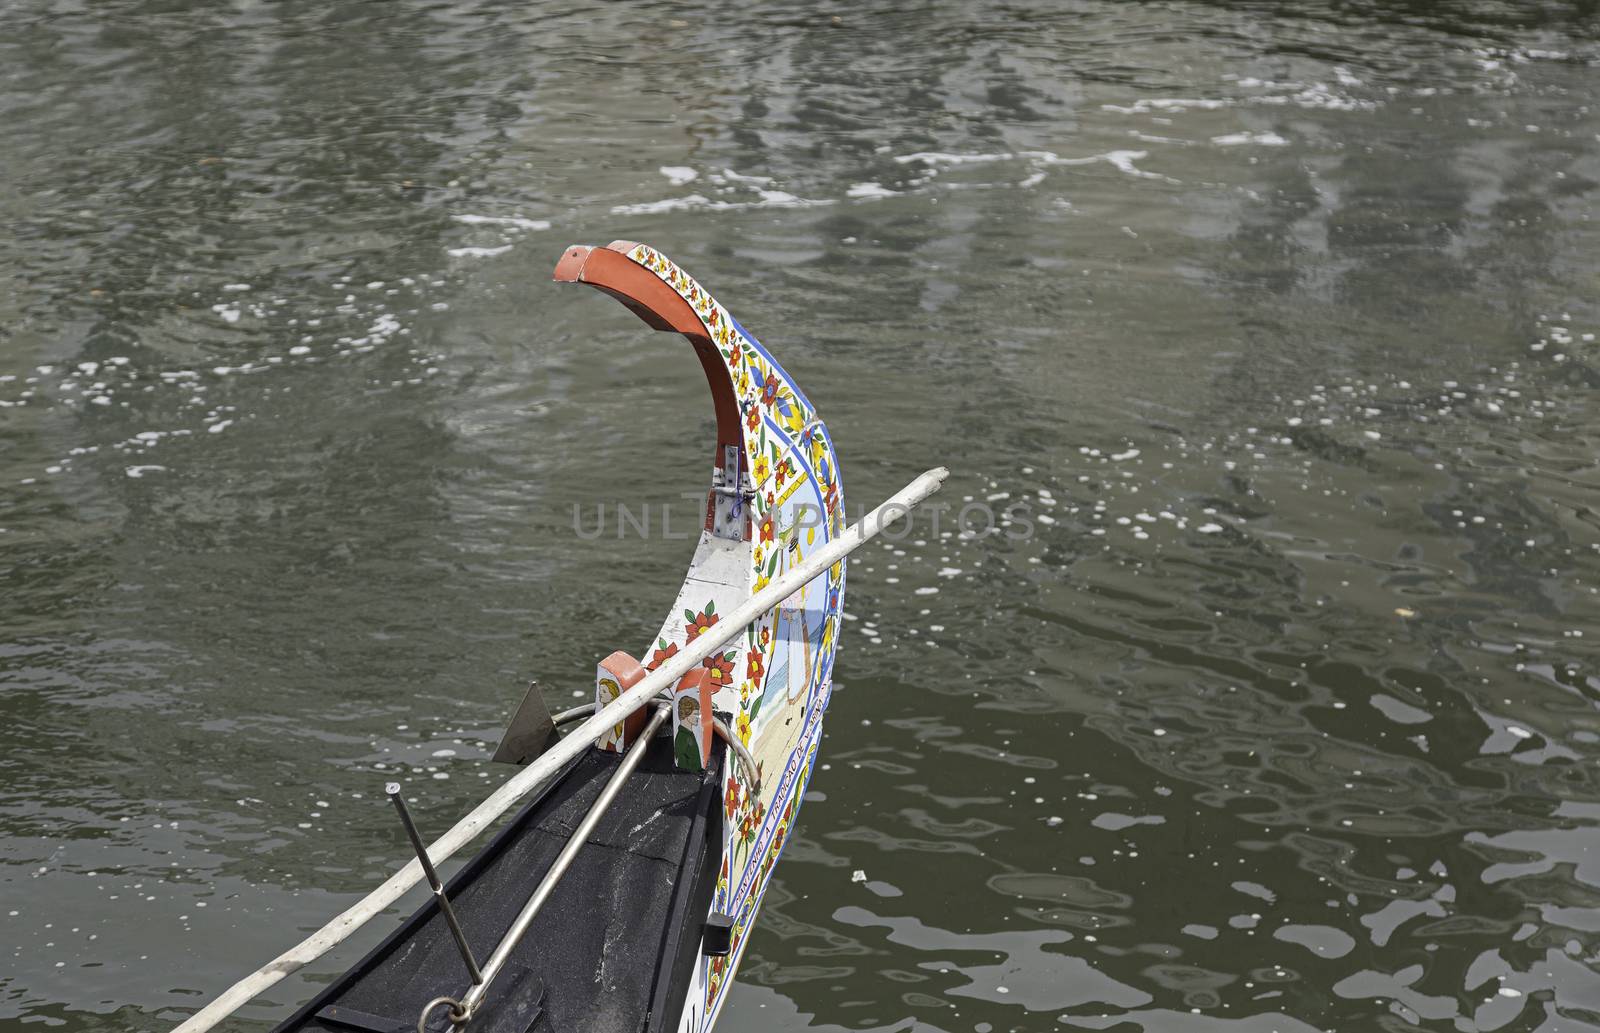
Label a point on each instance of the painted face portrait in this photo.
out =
(611, 690)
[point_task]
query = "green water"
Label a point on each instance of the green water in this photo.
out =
(1273, 709)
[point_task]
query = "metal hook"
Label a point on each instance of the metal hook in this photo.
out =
(458, 1016)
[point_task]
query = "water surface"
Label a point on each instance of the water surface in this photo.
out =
(1271, 325)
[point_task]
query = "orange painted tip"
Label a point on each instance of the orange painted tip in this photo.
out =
(570, 268)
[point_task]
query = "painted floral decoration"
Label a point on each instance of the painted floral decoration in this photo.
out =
(721, 667)
(783, 442)
(699, 623)
(664, 651)
(751, 822)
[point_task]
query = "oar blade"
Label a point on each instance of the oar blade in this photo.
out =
(530, 732)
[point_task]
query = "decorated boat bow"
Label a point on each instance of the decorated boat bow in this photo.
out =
(775, 499)
(621, 896)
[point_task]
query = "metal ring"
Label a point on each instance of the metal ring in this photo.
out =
(457, 1015)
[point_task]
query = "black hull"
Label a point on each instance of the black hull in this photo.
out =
(611, 951)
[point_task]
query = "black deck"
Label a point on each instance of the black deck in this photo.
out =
(612, 949)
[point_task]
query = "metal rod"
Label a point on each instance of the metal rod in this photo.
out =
(540, 771)
(393, 791)
(581, 710)
(563, 861)
(747, 761)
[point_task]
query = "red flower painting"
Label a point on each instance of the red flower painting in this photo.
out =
(662, 655)
(699, 623)
(721, 667)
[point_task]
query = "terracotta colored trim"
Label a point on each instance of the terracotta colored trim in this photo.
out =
(628, 672)
(698, 682)
(609, 269)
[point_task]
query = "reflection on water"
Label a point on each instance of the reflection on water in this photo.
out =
(1270, 327)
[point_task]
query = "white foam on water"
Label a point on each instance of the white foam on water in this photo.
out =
(1243, 139)
(477, 252)
(1168, 104)
(946, 158)
(678, 175)
(782, 199)
(870, 191)
(514, 221)
(768, 199)
(730, 176)
(666, 204)
(1123, 161)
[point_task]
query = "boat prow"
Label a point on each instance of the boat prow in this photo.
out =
(621, 895)
(622, 942)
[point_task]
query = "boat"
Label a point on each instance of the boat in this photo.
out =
(621, 894)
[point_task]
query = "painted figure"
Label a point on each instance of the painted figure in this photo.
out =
(610, 692)
(684, 745)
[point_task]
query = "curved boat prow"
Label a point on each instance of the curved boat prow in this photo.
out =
(615, 270)
(751, 393)
(620, 897)
(775, 499)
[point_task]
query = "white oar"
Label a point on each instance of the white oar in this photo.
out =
(529, 778)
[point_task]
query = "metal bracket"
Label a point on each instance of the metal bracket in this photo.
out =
(717, 936)
(730, 491)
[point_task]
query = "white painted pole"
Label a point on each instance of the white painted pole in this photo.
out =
(575, 742)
